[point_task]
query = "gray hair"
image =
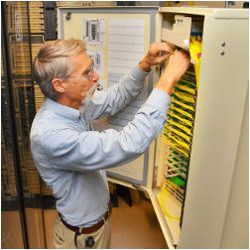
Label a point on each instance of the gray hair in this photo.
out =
(52, 61)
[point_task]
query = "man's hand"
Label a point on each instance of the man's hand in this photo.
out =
(177, 66)
(158, 53)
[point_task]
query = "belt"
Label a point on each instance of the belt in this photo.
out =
(91, 229)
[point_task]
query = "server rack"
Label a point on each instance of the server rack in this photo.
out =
(197, 208)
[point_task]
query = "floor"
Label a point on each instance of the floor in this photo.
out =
(136, 227)
(132, 227)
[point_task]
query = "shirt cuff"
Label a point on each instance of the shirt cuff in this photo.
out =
(138, 74)
(159, 99)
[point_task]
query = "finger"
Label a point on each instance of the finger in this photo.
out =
(168, 48)
(164, 53)
(157, 49)
(162, 58)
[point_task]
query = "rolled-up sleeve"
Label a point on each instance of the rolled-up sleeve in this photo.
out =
(90, 150)
(119, 95)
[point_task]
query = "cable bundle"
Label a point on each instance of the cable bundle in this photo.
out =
(178, 130)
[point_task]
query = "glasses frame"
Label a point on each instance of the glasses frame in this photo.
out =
(87, 76)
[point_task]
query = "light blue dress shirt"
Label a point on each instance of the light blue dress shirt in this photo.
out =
(72, 160)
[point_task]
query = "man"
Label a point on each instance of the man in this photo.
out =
(71, 157)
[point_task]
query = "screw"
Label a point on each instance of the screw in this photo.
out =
(68, 16)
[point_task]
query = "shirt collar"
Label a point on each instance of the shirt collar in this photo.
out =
(62, 110)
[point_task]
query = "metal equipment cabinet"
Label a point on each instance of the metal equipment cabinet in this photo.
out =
(215, 206)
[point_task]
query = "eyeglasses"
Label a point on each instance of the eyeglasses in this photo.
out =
(88, 75)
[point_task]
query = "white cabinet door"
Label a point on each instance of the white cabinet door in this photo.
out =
(116, 39)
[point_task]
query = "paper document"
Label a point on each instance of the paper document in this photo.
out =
(126, 49)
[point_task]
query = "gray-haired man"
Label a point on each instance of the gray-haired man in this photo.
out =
(72, 159)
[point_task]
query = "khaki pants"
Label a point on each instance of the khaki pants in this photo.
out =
(65, 238)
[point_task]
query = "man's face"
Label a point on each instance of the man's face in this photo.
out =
(81, 79)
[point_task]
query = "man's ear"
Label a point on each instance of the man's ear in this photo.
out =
(58, 85)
